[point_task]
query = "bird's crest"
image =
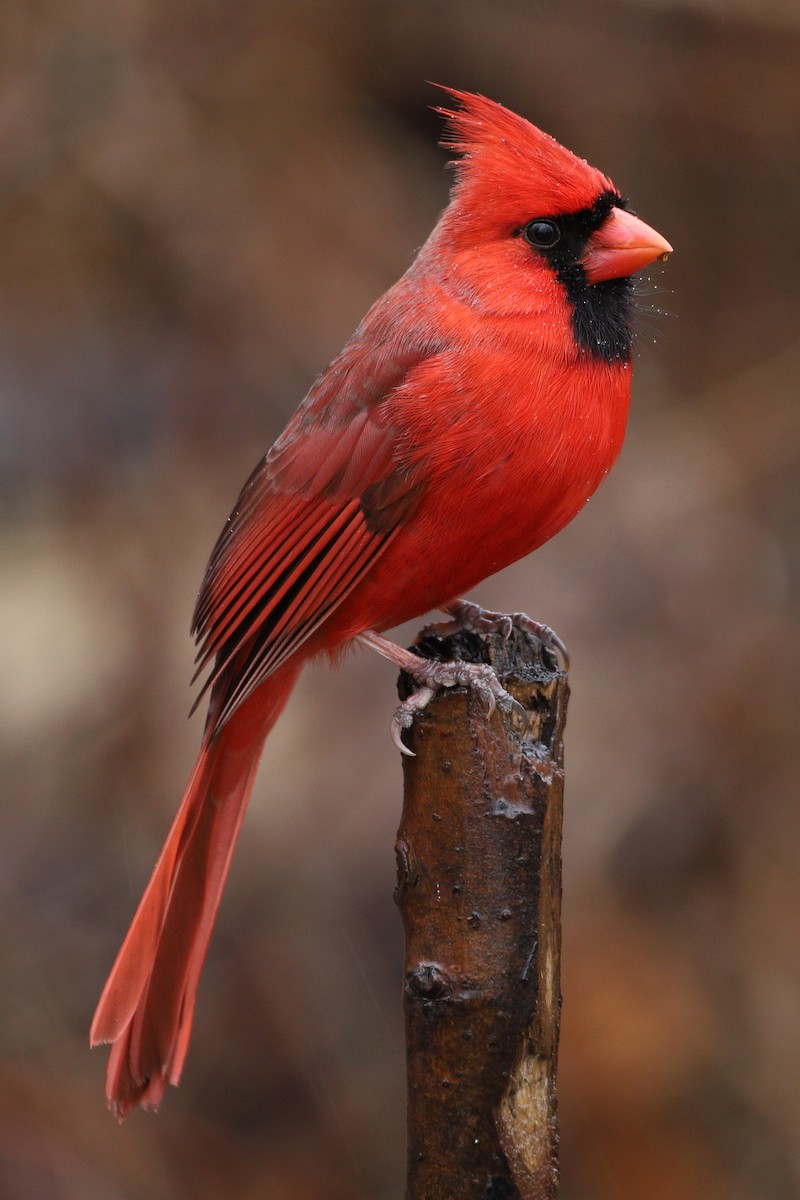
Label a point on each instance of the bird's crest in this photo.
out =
(502, 157)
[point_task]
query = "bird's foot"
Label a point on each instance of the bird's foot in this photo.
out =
(431, 675)
(466, 615)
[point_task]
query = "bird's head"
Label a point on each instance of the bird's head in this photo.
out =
(527, 218)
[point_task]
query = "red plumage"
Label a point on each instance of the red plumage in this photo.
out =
(477, 407)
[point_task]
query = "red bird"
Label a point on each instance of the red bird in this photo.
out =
(472, 414)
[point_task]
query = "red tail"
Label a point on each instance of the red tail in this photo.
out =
(147, 1004)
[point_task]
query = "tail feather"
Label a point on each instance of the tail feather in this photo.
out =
(147, 1005)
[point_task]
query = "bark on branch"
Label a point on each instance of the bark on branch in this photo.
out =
(479, 889)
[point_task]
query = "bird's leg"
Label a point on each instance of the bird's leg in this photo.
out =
(430, 675)
(467, 615)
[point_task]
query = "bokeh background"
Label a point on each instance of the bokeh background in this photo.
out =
(198, 200)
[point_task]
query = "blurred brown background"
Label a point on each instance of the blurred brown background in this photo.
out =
(198, 200)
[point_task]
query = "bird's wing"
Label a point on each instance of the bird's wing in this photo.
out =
(313, 517)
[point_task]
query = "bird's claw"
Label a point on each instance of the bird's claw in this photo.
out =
(547, 636)
(467, 615)
(404, 716)
(431, 675)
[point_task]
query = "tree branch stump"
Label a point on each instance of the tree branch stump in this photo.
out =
(479, 889)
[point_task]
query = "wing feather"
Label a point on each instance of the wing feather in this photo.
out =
(268, 566)
(302, 617)
(312, 518)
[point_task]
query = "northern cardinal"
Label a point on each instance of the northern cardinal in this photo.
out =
(472, 414)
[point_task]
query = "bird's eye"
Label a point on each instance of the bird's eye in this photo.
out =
(540, 233)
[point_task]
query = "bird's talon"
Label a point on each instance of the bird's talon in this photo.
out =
(397, 738)
(467, 615)
(404, 715)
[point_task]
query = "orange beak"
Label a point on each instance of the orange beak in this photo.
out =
(623, 244)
